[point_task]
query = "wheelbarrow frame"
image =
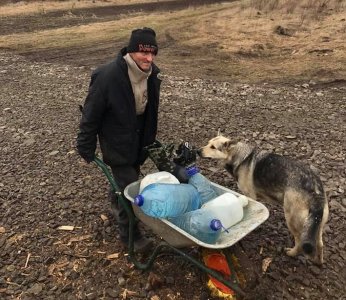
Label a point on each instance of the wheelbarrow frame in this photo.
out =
(230, 282)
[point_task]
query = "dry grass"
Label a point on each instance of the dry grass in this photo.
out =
(312, 8)
(39, 7)
(230, 39)
(69, 36)
(237, 31)
(96, 32)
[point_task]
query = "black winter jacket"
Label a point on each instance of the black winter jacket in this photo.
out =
(109, 112)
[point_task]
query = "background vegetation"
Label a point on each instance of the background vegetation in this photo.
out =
(252, 40)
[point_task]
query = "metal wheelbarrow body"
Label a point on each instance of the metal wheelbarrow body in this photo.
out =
(255, 213)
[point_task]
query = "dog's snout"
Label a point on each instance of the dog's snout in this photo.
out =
(199, 152)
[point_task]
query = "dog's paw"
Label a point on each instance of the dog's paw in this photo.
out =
(291, 251)
(318, 261)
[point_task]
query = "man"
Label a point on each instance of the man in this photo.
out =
(121, 109)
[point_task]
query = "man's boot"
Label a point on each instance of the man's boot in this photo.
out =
(140, 242)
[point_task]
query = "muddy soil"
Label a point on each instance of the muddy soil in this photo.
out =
(44, 184)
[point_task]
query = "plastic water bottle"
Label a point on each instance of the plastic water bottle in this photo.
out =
(158, 177)
(162, 200)
(201, 224)
(201, 183)
(228, 208)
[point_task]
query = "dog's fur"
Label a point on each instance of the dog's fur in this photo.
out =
(267, 176)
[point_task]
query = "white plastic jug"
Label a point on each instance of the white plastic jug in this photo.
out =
(158, 177)
(228, 208)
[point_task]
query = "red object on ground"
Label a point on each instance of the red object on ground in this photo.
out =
(219, 263)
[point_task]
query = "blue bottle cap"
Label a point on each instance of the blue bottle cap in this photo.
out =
(215, 224)
(139, 200)
(190, 171)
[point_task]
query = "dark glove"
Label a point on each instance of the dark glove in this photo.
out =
(160, 154)
(87, 157)
(186, 155)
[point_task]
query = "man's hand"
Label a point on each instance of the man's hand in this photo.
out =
(87, 157)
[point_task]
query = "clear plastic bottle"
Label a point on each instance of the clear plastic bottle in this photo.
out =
(201, 183)
(162, 200)
(201, 224)
(157, 177)
(228, 208)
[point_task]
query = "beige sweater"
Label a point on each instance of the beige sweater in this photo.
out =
(139, 80)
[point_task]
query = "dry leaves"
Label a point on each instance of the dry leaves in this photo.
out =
(154, 281)
(79, 238)
(104, 218)
(265, 263)
(66, 227)
(112, 256)
(57, 268)
(126, 293)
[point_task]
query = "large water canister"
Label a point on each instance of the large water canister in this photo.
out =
(162, 200)
(201, 183)
(228, 208)
(200, 224)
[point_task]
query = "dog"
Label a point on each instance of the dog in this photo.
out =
(271, 177)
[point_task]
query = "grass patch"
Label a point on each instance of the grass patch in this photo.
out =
(228, 40)
(42, 7)
(99, 32)
(313, 7)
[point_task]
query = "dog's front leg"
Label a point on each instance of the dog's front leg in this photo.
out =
(296, 249)
(292, 227)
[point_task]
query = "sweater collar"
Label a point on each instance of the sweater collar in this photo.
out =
(136, 74)
(121, 60)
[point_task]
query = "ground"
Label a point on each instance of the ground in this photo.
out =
(45, 185)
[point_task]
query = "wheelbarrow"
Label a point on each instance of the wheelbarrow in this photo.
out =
(255, 213)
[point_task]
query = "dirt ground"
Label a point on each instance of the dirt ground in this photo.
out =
(45, 185)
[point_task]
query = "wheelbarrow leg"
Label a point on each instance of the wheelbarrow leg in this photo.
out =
(232, 284)
(233, 276)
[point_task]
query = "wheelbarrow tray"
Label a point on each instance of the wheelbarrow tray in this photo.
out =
(255, 213)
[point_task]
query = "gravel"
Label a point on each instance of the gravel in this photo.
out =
(44, 185)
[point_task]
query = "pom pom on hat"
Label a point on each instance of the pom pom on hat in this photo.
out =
(143, 40)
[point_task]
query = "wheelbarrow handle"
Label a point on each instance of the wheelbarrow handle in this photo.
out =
(108, 174)
(121, 199)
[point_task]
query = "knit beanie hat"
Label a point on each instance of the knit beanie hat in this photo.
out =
(143, 40)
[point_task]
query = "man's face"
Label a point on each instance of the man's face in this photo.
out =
(143, 60)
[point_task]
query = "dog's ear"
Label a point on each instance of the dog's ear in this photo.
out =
(227, 145)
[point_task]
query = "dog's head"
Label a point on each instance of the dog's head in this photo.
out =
(217, 148)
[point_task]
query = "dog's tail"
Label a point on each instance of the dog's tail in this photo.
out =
(312, 224)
